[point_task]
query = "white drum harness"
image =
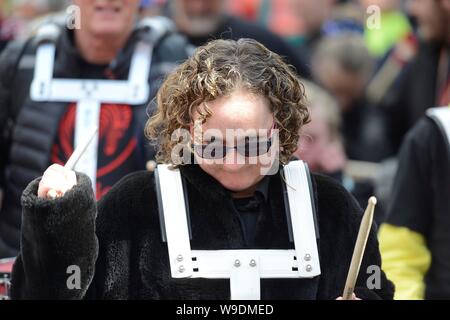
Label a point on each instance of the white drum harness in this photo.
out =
(441, 115)
(89, 94)
(244, 268)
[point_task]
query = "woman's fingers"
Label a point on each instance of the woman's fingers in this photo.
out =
(57, 180)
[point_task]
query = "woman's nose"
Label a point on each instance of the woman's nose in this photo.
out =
(233, 160)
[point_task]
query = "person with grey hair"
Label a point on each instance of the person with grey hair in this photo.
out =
(321, 145)
(343, 66)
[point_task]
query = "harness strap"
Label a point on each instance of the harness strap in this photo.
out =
(244, 268)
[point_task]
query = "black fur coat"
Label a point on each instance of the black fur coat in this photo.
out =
(117, 242)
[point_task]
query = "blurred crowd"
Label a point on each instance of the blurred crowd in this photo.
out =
(371, 69)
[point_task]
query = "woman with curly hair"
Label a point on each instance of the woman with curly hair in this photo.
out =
(227, 123)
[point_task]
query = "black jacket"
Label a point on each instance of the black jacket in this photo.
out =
(421, 199)
(117, 242)
(28, 128)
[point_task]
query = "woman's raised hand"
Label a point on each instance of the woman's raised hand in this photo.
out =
(56, 181)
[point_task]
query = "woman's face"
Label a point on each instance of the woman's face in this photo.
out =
(234, 118)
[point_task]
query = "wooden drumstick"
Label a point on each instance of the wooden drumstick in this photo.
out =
(76, 155)
(358, 252)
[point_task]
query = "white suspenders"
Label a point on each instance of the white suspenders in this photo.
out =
(89, 94)
(441, 115)
(244, 268)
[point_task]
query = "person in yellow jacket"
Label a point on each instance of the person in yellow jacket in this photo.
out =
(415, 239)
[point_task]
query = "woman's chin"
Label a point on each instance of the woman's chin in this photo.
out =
(233, 181)
(235, 184)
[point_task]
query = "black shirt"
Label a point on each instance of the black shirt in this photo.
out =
(249, 210)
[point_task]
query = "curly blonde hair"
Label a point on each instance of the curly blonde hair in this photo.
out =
(216, 69)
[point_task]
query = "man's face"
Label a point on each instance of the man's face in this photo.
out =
(197, 17)
(107, 18)
(432, 19)
(244, 112)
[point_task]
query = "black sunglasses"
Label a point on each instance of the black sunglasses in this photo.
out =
(217, 150)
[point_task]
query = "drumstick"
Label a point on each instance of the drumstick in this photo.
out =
(76, 155)
(358, 252)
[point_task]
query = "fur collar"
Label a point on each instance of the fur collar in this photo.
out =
(271, 224)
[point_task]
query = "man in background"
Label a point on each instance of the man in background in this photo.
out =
(426, 80)
(37, 133)
(204, 20)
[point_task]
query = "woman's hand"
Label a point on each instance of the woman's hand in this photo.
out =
(58, 179)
